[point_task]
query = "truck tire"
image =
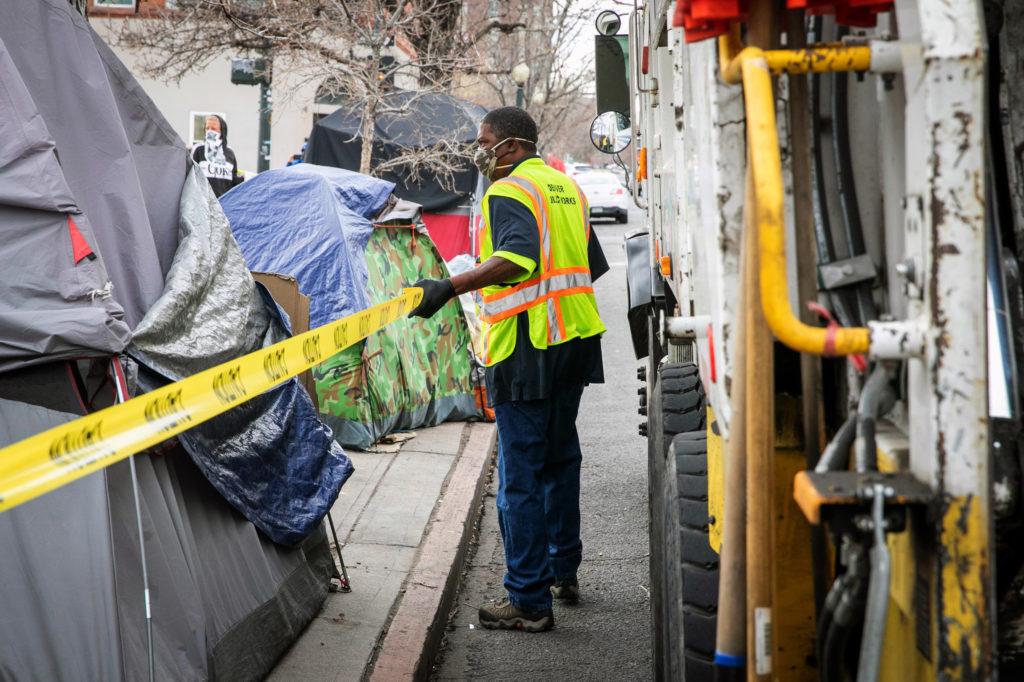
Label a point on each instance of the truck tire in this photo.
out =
(676, 407)
(695, 569)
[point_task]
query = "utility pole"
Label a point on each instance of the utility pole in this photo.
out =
(263, 152)
(257, 72)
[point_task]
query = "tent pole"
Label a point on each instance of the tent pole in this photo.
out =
(346, 586)
(122, 396)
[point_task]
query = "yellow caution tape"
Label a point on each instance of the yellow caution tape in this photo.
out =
(65, 453)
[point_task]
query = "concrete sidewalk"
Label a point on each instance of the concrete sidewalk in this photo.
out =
(384, 516)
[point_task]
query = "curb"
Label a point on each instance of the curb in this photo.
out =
(413, 638)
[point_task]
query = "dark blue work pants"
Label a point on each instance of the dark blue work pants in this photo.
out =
(539, 494)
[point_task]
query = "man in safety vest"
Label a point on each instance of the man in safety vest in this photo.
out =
(538, 260)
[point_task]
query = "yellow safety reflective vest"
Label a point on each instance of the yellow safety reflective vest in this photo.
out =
(557, 293)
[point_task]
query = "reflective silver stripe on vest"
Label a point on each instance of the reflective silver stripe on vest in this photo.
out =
(585, 206)
(554, 333)
(535, 293)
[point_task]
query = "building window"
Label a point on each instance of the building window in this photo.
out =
(197, 124)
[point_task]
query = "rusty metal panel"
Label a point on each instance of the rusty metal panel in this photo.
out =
(710, 130)
(944, 61)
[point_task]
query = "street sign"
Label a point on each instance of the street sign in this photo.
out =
(248, 71)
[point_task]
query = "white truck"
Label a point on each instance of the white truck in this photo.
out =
(827, 300)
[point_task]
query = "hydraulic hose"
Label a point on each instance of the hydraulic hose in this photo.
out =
(878, 594)
(819, 199)
(822, 226)
(876, 399)
(828, 612)
(845, 618)
(847, 615)
(847, 190)
(853, 230)
(836, 455)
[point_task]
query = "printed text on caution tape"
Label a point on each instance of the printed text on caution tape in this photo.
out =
(56, 457)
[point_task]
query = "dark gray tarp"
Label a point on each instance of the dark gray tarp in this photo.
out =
(57, 558)
(62, 308)
(227, 601)
(54, 52)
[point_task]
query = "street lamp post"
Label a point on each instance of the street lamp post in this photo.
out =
(520, 75)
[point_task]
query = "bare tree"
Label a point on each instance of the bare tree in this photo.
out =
(556, 92)
(358, 50)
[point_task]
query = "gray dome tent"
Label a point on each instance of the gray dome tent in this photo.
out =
(113, 244)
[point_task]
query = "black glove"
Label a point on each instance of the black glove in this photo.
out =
(436, 292)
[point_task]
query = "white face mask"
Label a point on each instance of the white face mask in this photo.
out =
(486, 160)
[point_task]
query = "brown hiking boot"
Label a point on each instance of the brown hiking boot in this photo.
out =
(504, 615)
(566, 591)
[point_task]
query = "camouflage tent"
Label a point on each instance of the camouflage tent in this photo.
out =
(414, 373)
(317, 225)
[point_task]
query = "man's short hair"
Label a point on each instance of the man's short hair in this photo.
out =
(512, 122)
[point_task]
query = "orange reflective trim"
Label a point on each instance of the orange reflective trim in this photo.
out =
(543, 214)
(537, 301)
(533, 202)
(498, 295)
(584, 208)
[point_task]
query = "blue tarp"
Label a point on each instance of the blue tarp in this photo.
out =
(327, 211)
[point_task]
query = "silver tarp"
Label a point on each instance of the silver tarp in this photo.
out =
(210, 310)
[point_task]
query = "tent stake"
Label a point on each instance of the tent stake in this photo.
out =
(346, 586)
(121, 390)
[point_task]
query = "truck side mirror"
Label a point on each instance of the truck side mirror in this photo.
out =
(611, 71)
(608, 23)
(610, 132)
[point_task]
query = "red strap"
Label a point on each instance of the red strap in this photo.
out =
(831, 330)
(80, 248)
(711, 354)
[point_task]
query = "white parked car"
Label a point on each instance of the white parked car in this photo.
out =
(574, 169)
(605, 194)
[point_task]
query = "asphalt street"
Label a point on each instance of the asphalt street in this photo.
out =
(606, 636)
